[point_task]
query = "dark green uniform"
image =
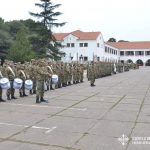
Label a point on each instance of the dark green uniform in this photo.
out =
(92, 74)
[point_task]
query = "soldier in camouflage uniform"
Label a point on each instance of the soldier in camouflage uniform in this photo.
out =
(50, 70)
(59, 73)
(91, 73)
(32, 74)
(10, 74)
(41, 72)
(69, 73)
(74, 73)
(22, 75)
(63, 75)
(81, 70)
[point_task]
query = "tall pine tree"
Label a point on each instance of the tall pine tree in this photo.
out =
(47, 19)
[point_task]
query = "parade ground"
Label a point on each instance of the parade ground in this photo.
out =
(113, 115)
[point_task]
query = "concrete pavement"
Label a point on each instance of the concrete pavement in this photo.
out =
(113, 115)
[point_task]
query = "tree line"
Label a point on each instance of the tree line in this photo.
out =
(114, 40)
(22, 40)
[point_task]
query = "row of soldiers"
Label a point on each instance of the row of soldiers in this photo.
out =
(99, 69)
(40, 72)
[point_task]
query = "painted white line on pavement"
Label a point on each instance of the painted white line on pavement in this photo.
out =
(33, 127)
(25, 105)
(50, 130)
(81, 109)
(42, 106)
(10, 124)
(36, 127)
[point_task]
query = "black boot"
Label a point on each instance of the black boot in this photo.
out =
(56, 86)
(13, 97)
(92, 84)
(24, 94)
(51, 87)
(48, 88)
(8, 97)
(2, 100)
(63, 85)
(31, 92)
(43, 100)
(34, 91)
(20, 94)
(59, 85)
(37, 99)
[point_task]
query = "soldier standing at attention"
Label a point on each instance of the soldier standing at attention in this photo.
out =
(10, 74)
(32, 74)
(23, 77)
(91, 74)
(41, 72)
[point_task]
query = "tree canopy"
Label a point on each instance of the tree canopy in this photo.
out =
(21, 49)
(112, 40)
(123, 41)
(38, 35)
(46, 42)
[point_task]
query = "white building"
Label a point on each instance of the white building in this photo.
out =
(136, 52)
(87, 46)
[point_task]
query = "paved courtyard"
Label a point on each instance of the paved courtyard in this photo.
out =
(80, 117)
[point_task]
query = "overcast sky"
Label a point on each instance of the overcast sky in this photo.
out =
(121, 19)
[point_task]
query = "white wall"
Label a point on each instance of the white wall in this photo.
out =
(89, 51)
(111, 57)
(134, 58)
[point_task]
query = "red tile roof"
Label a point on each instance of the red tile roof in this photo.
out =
(60, 36)
(79, 34)
(130, 45)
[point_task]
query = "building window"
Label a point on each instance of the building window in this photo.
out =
(139, 53)
(97, 44)
(122, 53)
(105, 49)
(68, 44)
(72, 44)
(81, 44)
(130, 53)
(85, 44)
(85, 58)
(112, 51)
(147, 52)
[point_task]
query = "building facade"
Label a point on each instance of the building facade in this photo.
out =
(86, 46)
(136, 52)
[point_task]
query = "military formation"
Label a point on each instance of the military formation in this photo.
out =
(100, 69)
(41, 72)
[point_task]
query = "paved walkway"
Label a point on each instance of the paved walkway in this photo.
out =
(81, 117)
